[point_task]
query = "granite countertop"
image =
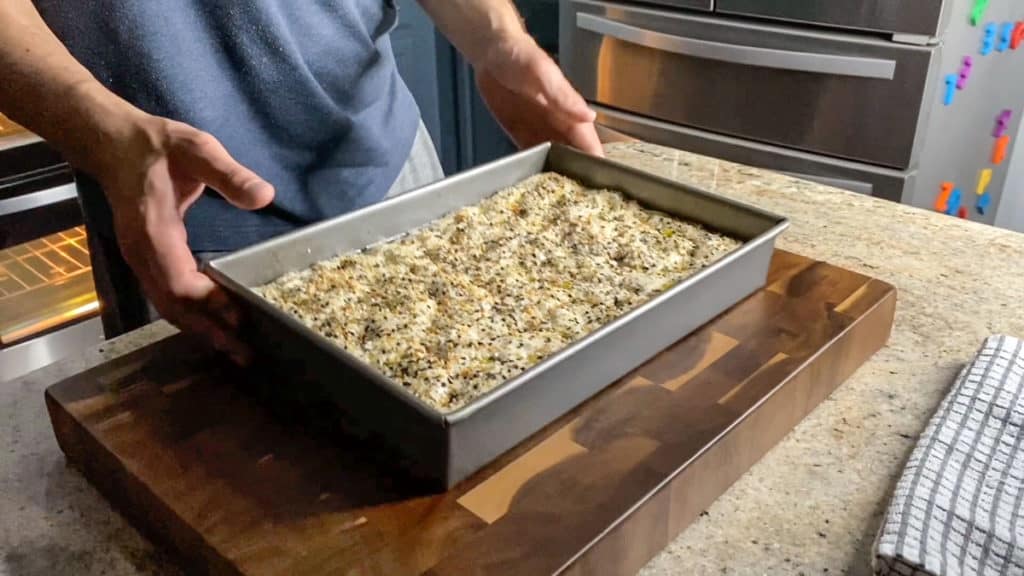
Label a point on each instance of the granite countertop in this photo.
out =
(811, 506)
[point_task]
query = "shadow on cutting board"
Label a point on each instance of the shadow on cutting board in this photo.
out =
(267, 446)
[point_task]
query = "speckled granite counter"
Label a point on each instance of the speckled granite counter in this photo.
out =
(811, 506)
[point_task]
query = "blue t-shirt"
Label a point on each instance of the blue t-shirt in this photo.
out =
(305, 93)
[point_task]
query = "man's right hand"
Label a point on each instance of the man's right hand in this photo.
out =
(151, 169)
(151, 175)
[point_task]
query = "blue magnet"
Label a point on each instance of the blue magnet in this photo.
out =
(954, 202)
(1005, 37)
(983, 202)
(989, 39)
(951, 80)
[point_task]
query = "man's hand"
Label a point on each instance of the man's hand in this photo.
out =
(522, 86)
(151, 169)
(531, 98)
(150, 178)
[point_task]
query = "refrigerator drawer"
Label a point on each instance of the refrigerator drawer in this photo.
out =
(827, 93)
(922, 17)
(884, 183)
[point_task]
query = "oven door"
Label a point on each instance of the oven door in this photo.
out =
(864, 179)
(48, 304)
(834, 94)
(919, 17)
(706, 5)
(37, 191)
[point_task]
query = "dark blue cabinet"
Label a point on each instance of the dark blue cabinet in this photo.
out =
(442, 82)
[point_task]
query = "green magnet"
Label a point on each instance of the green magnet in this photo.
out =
(978, 12)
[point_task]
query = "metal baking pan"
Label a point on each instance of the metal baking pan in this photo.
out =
(444, 448)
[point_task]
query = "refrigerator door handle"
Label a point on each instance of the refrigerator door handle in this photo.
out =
(748, 55)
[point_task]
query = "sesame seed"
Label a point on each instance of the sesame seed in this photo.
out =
(454, 309)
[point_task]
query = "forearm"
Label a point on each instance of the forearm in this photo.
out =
(46, 90)
(477, 28)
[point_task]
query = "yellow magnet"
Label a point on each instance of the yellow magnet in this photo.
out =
(983, 180)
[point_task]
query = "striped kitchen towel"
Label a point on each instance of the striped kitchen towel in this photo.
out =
(959, 505)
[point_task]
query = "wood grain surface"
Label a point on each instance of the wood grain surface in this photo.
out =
(187, 448)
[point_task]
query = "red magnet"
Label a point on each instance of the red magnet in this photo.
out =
(962, 212)
(1018, 35)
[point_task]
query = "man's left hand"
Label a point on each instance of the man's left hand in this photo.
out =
(533, 101)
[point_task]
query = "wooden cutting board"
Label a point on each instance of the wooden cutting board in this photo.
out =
(184, 446)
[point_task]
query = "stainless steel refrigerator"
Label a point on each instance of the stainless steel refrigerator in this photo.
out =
(917, 102)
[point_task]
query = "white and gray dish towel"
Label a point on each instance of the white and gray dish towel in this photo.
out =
(958, 508)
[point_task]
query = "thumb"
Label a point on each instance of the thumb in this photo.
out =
(208, 161)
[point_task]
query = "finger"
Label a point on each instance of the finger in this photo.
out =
(195, 318)
(559, 93)
(192, 318)
(218, 337)
(528, 122)
(223, 308)
(203, 296)
(169, 274)
(530, 72)
(583, 136)
(197, 296)
(208, 161)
